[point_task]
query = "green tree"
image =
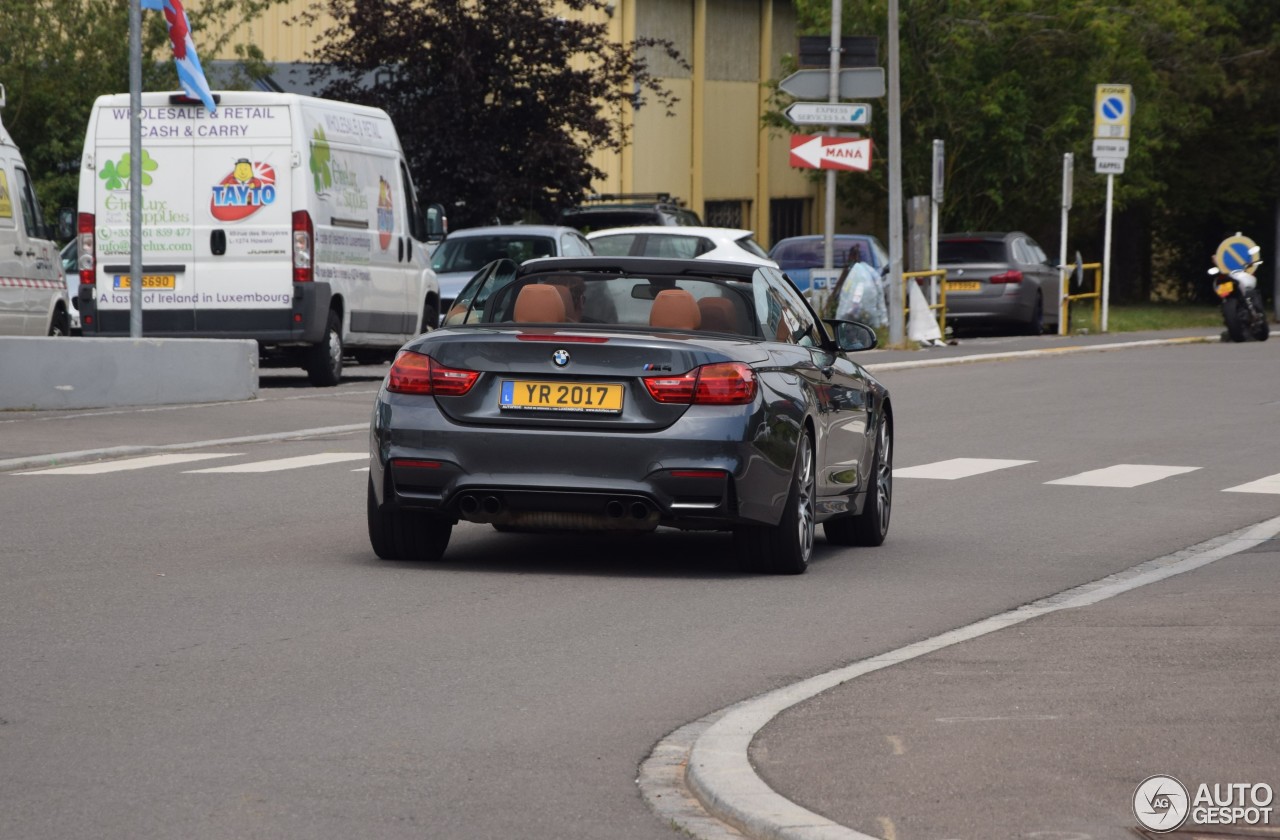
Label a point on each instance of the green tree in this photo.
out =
(499, 105)
(1009, 86)
(57, 56)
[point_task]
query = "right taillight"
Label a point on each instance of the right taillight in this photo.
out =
(1007, 277)
(86, 262)
(418, 373)
(722, 383)
(303, 243)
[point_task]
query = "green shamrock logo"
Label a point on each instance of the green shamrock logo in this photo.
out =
(116, 173)
(320, 161)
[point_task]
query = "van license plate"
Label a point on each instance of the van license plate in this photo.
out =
(588, 397)
(149, 281)
(963, 285)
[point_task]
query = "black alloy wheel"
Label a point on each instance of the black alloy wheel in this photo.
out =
(785, 548)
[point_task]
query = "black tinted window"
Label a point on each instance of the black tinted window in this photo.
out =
(971, 251)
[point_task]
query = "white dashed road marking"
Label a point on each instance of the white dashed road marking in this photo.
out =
(1270, 484)
(288, 463)
(957, 468)
(129, 464)
(1123, 475)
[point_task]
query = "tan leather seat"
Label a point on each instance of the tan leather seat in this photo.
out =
(675, 309)
(570, 311)
(718, 315)
(539, 305)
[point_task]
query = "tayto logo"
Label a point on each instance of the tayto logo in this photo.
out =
(386, 213)
(1160, 803)
(249, 188)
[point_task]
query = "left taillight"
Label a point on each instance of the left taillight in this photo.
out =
(1006, 277)
(722, 383)
(303, 245)
(418, 373)
(86, 259)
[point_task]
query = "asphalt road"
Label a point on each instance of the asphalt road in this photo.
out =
(219, 654)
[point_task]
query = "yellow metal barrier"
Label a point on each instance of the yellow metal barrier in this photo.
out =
(938, 276)
(1064, 320)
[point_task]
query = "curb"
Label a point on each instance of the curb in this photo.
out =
(63, 459)
(714, 750)
(1034, 354)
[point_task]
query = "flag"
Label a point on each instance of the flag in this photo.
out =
(190, 74)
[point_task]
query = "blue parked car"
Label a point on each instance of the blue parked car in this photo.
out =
(798, 255)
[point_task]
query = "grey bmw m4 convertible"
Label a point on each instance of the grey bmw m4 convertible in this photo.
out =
(626, 394)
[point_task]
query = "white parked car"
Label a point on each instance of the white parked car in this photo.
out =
(684, 243)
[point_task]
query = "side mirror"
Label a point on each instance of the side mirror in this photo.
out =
(437, 223)
(66, 223)
(853, 336)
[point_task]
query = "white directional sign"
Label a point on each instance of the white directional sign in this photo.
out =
(1111, 148)
(829, 113)
(855, 83)
(1108, 165)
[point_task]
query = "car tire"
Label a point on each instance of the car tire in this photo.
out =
(785, 548)
(324, 358)
(60, 325)
(872, 525)
(430, 318)
(1260, 330)
(406, 534)
(1233, 318)
(1035, 326)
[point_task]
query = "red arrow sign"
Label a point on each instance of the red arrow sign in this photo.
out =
(808, 152)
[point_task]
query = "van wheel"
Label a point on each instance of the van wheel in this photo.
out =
(430, 317)
(324, 359)
(59, 325)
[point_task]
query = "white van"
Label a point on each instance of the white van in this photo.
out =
(33, 296)
(283, 218)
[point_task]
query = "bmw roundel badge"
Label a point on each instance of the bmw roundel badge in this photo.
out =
(560, 357)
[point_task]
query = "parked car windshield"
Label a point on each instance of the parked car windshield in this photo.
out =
(471, 253)
(952, 251)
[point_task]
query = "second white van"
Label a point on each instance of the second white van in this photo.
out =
(282, 218)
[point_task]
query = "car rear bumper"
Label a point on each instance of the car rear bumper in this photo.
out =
(698, 473)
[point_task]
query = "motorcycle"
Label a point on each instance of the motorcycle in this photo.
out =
(1242, 307)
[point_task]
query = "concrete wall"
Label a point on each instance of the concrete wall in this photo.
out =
(52, 373)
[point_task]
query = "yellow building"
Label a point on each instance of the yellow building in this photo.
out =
(714, 154)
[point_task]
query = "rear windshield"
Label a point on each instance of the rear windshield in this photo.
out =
(701, 303)
(953, 251)
(471, 253)
(809, 253)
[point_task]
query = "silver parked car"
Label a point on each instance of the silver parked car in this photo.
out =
(466, 251)
(1000, 280)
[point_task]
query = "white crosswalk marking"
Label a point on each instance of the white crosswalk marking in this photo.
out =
(1122, 475)
(142, 463)
(957, 468)
(287, 463)
(1270, 484)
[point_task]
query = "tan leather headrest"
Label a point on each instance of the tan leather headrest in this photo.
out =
(718, 315)
(539, 305)
(675, 309)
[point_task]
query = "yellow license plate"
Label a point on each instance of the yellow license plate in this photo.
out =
(1224, 289)
(963, 285)
(592, 397)
(149, 281)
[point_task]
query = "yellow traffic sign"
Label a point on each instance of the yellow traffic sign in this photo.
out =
(1112, 112)
(1237, 252)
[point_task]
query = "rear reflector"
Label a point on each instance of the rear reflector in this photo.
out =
(697, 473)
(417, 373)
(420, 465)
(86, 259)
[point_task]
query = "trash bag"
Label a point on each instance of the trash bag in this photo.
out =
(861, 297)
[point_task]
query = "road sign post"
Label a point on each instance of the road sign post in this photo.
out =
(1113, 107)
(1068, 172)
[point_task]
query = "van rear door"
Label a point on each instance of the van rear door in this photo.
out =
(243, 168)
(168, 210)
